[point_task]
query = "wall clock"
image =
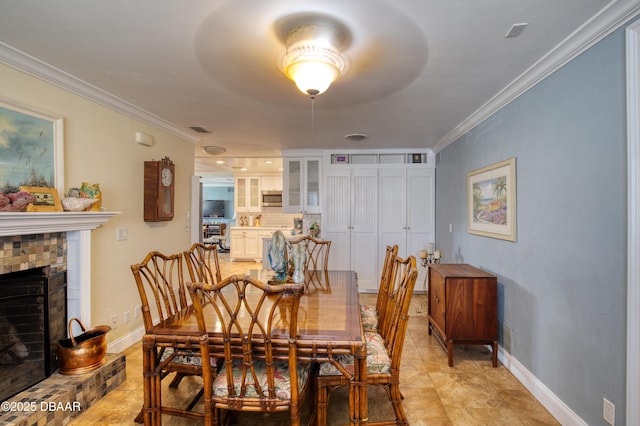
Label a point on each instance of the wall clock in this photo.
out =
(159, 189)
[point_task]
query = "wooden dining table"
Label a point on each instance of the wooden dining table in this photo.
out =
(329, 324)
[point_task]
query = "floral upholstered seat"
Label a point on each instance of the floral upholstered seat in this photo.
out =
(282, 378)
(369, 318)
(378, 361)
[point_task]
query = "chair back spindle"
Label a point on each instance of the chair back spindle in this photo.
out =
(203, 264)
(250, 316)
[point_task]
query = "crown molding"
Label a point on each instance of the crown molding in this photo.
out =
(33, 66)
(610, 18)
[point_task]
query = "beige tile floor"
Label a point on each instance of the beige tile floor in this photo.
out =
(469, 393)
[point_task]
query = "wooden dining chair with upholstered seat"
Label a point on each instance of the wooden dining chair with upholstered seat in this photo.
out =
(202, 263)
(257, 326)
(384, 351)
(163, 294)
(372, 315)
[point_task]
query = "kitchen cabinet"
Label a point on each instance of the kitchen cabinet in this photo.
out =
(350, 221)
(271, 183)
(302, 185)
(406, 213)
(463, 307)
(247, 241)
(247, 194)
(245, 244)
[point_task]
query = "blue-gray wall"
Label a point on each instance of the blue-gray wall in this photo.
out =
(563, 283)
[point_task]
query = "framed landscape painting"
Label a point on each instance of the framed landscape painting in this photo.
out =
(491, 193)
(30, 148)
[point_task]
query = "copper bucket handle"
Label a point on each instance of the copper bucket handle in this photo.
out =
(73, 340)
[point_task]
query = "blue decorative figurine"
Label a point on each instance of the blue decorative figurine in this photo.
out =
(277, 258)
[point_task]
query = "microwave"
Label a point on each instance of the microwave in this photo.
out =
(272, 198)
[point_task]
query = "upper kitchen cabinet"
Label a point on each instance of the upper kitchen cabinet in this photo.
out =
(302, 184)
(247, 194)
(271, 183)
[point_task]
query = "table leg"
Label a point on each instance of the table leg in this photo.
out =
(450, 352)
(358, 404)
(151, 383)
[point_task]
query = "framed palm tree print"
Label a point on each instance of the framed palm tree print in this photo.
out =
(491, 197)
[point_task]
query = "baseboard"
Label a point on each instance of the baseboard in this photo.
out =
(543, 394)
(124, 342)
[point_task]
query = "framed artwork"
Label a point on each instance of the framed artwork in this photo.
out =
(31, 148)
(47, 199)
(491, 197)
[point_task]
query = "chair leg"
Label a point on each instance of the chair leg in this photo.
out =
(140, 417)
(195, 399)
(176, 380)
(396, 400)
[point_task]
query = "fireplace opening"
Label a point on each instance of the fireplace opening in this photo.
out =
(33, 318)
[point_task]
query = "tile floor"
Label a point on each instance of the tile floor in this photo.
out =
(469, 393)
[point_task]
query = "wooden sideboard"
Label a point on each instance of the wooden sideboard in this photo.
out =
(463, 307)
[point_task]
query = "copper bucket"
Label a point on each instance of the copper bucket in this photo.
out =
(84, 353)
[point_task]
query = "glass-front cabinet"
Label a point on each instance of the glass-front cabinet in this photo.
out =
(247, 194)
(302, 185)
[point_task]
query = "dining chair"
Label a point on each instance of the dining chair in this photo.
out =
(257, 325)
(160, 282)
(384, 352)
(373, 315)
(202, 263)
(317, 252)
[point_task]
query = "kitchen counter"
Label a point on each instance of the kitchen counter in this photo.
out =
(247, 241)
(274, 228)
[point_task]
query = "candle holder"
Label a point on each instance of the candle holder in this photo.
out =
(429, 259)
(430, 256)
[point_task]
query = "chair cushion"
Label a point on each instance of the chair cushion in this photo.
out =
(369, 318)
(281, 373)
(193, 359)
(378, 361)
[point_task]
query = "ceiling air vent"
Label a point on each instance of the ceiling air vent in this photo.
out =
(516, 30)
(199, 129)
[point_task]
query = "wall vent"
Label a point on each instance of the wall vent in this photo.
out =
(199, 129)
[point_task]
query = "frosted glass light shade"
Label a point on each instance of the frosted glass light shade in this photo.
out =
(312, 77)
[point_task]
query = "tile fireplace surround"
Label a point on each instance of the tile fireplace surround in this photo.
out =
(19, 249)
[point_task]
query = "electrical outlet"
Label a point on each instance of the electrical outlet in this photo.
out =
(608, 411)
(114, 321)
(136, 312)
(127, 317)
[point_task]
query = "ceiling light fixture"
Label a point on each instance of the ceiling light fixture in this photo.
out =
(213, 150)
(313, 60)
(356, 137)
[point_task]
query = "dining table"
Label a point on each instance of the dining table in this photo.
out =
(329, 324)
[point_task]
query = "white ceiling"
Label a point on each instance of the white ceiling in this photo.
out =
(416, 69)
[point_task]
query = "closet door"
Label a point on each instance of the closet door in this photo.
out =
(420, 217)
(393, 210)
(364, 227)
(336, 217)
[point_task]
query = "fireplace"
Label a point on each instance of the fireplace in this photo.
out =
(33, 317)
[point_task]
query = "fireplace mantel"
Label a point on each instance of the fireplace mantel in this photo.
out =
(78, 227)
(20, 223)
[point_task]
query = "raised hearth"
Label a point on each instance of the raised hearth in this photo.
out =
(58, 399)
